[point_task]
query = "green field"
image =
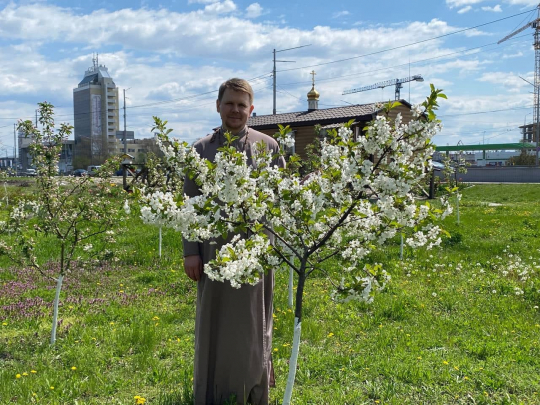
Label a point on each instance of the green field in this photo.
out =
(458, 325)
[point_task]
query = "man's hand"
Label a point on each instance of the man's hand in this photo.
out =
(193, 267)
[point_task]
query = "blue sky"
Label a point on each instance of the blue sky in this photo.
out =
(169, 54)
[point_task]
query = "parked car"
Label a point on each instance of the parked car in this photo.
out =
(440, 166)
(92, 170)
(30, 172)
(80, 172)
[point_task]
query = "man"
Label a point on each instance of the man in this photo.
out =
(233, 327)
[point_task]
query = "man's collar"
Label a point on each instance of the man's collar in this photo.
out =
(240, 134)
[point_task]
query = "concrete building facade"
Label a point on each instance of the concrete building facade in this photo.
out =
(95, 107)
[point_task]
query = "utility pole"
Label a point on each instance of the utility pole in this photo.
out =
(274, 70)
(274, 83)
(36, 117)
(124, 166)
(125, 133)
(15, 148)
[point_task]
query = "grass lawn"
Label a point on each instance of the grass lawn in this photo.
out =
(458, 325)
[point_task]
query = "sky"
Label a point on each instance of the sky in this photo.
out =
(171, 56)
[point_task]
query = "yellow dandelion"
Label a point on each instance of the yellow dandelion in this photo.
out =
(74, 368)
(276, 349)
(18, 376)
(4, 323)
(25, 374)
(456, 368)
(330, 334)
(33, 371)
(155, 318)
(445, 363)
(112, 323)
(52, 388)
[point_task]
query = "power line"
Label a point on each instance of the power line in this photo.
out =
(335, 78)
(485, 112)
(406, 45)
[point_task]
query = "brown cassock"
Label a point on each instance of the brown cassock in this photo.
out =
(233, 327)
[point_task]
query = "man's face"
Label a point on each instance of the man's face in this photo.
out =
(234, 109)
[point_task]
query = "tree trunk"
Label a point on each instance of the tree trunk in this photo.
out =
(296, 339)
(291, 279)
(401, 248)
(457, 206)
(55, 307)
(160, 241)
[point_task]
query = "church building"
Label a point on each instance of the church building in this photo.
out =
(303, 123)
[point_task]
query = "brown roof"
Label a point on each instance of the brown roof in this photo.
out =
(312, 117)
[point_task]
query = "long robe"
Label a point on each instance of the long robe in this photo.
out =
(233, 327)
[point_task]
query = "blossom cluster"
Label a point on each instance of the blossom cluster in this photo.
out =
(361, 196)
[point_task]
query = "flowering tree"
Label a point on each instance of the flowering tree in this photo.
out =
(358, 197)
(73, 216)
(159, 180)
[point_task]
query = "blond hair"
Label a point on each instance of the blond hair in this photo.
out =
(236, 85)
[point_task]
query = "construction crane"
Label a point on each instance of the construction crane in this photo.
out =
(535, 24)
(397, 82)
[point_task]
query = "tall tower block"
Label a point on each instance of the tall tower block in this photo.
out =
(95, 108)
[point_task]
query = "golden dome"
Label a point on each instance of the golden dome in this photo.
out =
(313, 94)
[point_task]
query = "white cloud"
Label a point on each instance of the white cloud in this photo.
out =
(495, 9)
(339, 14)
(461, 3)
(464, 10)
(254, 10)
(202, 1)
(190, 53)
(224, 7)
(513, 55)
(200, 33)
(512, 82)
(530, 3)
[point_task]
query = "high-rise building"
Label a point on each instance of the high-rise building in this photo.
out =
(95, 107)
